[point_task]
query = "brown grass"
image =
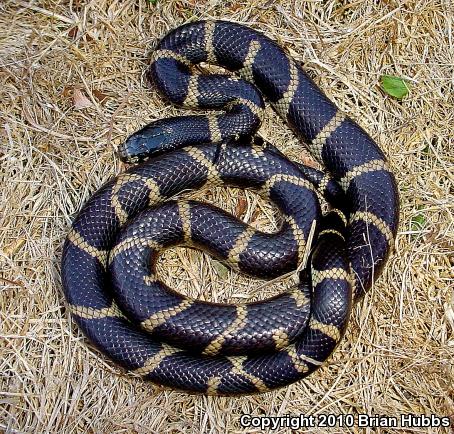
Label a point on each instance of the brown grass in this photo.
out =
(398, 353)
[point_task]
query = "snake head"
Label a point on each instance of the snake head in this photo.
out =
(143, 144)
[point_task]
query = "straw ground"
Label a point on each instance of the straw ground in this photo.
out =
(73, 87)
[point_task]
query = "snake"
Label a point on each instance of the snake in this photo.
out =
(109, 256)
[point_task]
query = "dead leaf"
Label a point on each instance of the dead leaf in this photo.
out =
(307, 161)
(77, 4)
(254, 215)
(221, 269)
(235, 7)
(100, 96)
(72, 32)
(88, 37)
(80, 99)
(241, 206)
(67, 91)
(44, 147)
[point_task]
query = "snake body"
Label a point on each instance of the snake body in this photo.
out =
(213, 348)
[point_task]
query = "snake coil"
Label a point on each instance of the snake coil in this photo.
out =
(214, 348)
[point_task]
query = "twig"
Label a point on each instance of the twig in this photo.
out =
(115, 113)
(44, 12)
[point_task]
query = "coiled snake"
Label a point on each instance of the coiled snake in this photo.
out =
(230, 349)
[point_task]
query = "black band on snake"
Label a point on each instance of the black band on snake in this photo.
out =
(213, 348)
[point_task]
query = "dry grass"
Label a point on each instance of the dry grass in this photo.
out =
(398, 354)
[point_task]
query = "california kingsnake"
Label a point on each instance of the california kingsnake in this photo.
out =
(228, 349)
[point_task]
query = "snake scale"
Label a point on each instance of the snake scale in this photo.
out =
(110, 253)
